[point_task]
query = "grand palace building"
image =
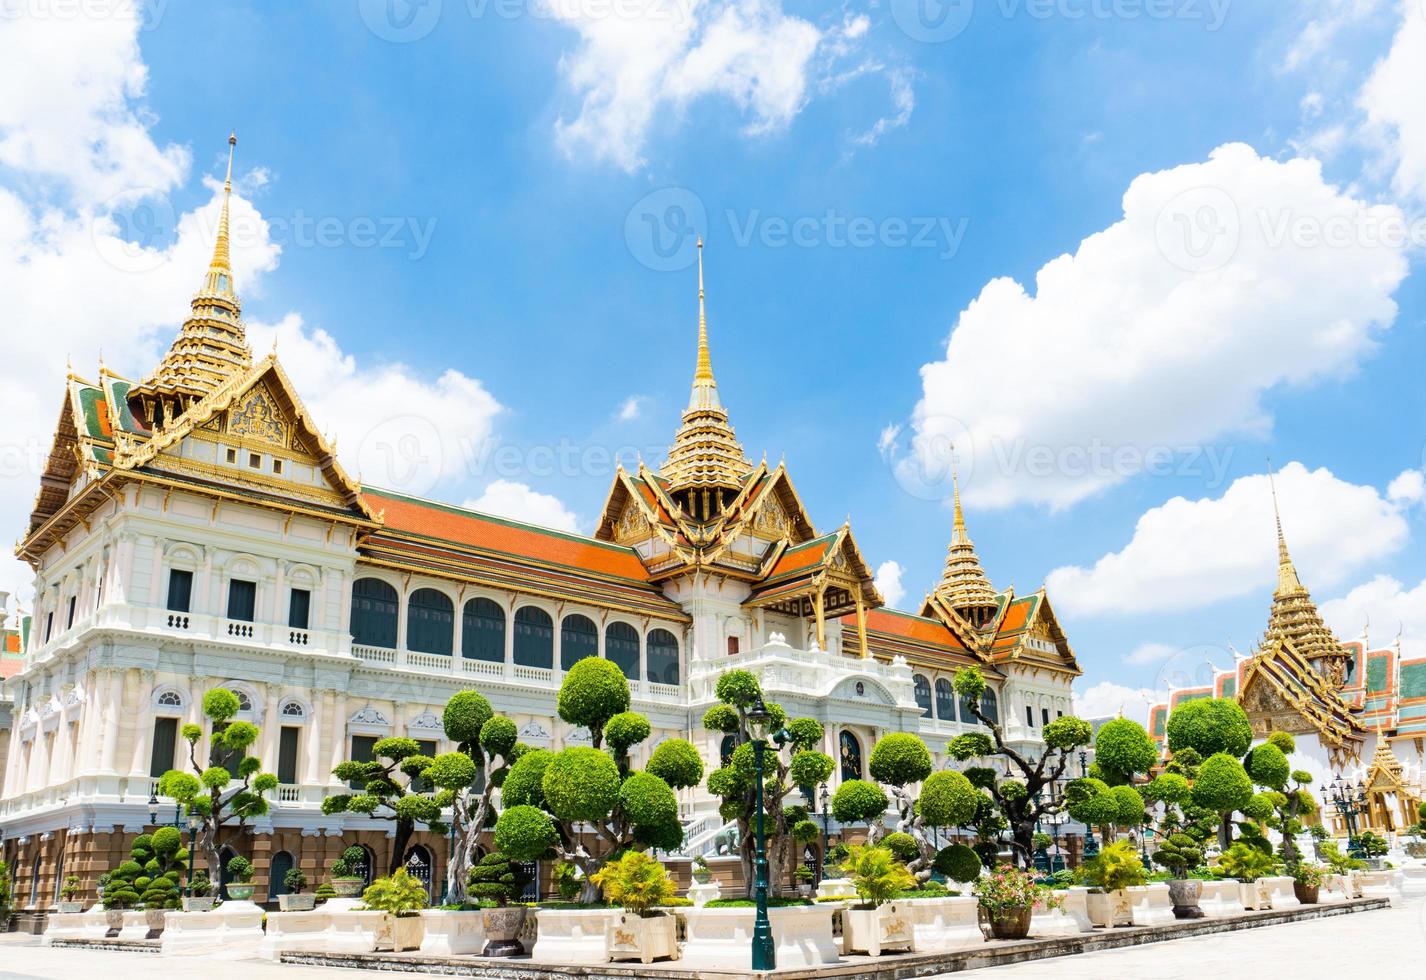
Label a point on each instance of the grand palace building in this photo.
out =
(194, 529)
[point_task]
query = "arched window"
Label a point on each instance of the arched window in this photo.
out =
(534, 637)
(945, 700)
(989, 706)
(282, 862)
(430, 620)
(293, 709)
(367, 869)
(171, 699)
(245, 703)
(923, 694)
(419, 864)
(579, 638)
(725, 751)
(374, 605)
(483, 631)
(621, 645)
(851, 751)
(663, 657)
(966, 717)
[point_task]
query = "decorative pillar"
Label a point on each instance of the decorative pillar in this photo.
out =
(138, 684)
(820, 609)
(271, 733)
(321, 711)
(113, 705)
(861, 627)
(509, 666)
(338, 748)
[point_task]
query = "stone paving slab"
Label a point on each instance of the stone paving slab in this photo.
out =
(886, 967)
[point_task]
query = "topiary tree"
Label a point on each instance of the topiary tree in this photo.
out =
(1288, 797)
(797, 762)
(958, 863)
(1223, 786)
(497, 879)
(586, 804)
(152, 874)
(224, 800)
(1122, 750)
(390, 788)
(1026, 800)
(1179, 853)
(1209, 726)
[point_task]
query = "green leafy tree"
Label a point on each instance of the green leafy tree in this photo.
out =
(1024, 799)
(1122, 750)
(391, 787)
(1288, 797)
(1224, 787)
(224, 800)
(586, 804)
(1210, 726)
(498, 879)
(1179, 853)
(152, 874)
(796, 763)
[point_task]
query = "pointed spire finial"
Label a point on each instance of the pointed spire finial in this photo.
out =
(704, 371)
(960, 520)
(1287, 579)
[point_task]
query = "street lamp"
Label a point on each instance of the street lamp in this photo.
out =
(1350, 802)
(1083, 764)
(760, 721)
(153, 808)
(193, 821)
(826, 833)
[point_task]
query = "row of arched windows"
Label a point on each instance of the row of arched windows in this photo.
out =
(943, 705)
(430, 628)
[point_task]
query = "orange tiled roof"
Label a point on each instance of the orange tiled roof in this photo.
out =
(446, 523)
(916, 628)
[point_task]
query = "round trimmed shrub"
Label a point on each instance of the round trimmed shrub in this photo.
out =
(1223, 785)
(581, 783)
(1268, 766)
(1168, 787)
(1128, 806)
(1285, 743)
(524, 782)
(806, 733)
(1122, 748)
(805, 831)
(721, 718)
(858, 801)
(947, 799)
(809, 768)
(625, 730)
(452, 770)
(220, 704)
(677, 763)
(902, 846)
(958, 863)
(525, 833)
(1259, 807)
(1067, 732)
(738, 687)
(1210, 726)
(466, 713)
(647, 800)
(900, 758)
(498, 736)
(167, 841)
(594, 690)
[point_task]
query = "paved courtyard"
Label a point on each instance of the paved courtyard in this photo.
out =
(1388, 943)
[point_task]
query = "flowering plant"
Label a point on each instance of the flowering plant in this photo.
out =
(1008, 889)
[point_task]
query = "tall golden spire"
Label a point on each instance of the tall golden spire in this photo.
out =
(705, 463)
(964, 586)
(1294, 618)
(211, 346)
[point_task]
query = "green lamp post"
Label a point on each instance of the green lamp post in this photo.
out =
(760, 721)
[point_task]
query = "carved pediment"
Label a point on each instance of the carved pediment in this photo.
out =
(256, 416)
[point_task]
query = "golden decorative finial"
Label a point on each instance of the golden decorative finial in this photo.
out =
(704, 371)
(221, 259)
(1287, 579)
(960, 519)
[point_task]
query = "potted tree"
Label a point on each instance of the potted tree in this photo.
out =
(497, 879)
(1116, 868)
(119, 897)
(67, 893)
(1180, 854)
(1007, 896)
(345, 872)
(295, 900)
(200, 893)
(240, 878)
(1247, 864)
(876, 924)
(638, 884)
(804, 877)
(1306, 880)
(402, 898)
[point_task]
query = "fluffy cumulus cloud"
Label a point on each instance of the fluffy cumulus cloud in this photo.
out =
(1222, 281)
(1108, 699)
(1391, 100)
(1388, 606)
(1186, 554)
(94, 258)
(508, 498)
(888, 582)
(639, 60)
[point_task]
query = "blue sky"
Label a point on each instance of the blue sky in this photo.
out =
(515, 160)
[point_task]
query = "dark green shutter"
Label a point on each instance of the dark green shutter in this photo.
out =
(165, 740)
(287, 755)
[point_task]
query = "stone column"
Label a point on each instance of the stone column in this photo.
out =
(113, 706)
(338, 748)
(509, 668)
(271, 732)
(138, 684)
(321, 712)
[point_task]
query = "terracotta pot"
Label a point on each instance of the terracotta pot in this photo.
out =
(502, 930)
(1011, 924)
(1184, 893)
(1306, 894)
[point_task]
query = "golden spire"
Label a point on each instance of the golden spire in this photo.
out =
(964, 586)
(705, 454)
(958, 528)
(211, 346)
(1287, 578)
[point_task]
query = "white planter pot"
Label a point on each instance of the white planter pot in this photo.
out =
(1220, 899)
(306, 931)
(571, 935)
(1047, 923)
(1413, 879)
(633, 937)
(398, 933)
(1150, 905)
(96, 924)
(722, 939)
(943, 924)
(297, 903)
(136, 926)
(1255, 895)
(1109, 909)
(1076, 901)
(1379, 884)
(873, 931)
(231, 931)
(1280, 892)
(353, 930)
(65, 925)
(836, 888)
(700, 893)
(450, 933)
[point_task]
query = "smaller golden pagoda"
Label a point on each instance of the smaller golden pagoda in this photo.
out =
(964, 586)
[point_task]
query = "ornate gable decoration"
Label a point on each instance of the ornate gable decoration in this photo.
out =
(258, 417)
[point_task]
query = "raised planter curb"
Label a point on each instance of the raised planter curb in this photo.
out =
(888, 966)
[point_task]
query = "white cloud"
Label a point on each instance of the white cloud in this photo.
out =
(1392, 99)
(655, 56)
(903, 100)
(1409, 487)
(1186, 554)
(1146, 654)
(1389, 606)
(1107, 699)
(888, 582)
(1329, 19)
(630, 409)
(507, 498)
(1161, 333)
